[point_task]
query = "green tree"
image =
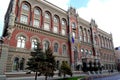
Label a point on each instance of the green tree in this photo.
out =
(36, 61)
(65, 69)
(50, 64)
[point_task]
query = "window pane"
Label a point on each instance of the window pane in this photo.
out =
(47, 16)
(86, 51)
(73, 25)
(55, 19)
(73, 34)
(36, 23)
(37, 11)
(18, 43)
(46, 26)
(24, 19)
(21, 42)
(82, 51)
(25, 7)
(64, 49)
(34, 43)
(63, 32)
(63, 22)
(55, 29)
(46, 45)
(55, 47)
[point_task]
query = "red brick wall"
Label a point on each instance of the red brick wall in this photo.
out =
(13, 40)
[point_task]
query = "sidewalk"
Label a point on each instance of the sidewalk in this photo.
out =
(88, 77)
(24, 76)
(104, 74)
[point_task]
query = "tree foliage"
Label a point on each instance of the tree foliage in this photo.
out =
(65, 69)
(49, 63)
(36, 60)
(41, 62)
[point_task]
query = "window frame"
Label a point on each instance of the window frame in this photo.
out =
(38, 23)
(64, 49)
(24, 19)
(25, 7)
(56, 47)
(34, 43)
(21, 41)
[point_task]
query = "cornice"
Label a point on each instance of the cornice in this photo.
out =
(38, 30)
(20, 50)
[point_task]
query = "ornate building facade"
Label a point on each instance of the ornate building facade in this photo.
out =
(72, 39)
(117, 57)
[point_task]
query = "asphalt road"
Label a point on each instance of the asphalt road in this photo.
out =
(113, 77)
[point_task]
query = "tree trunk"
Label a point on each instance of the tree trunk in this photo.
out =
(36, 75)
(46, 77)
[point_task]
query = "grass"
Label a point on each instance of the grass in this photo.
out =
(72, 78)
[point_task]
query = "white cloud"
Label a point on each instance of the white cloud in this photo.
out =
(106, 14)
(3, 9)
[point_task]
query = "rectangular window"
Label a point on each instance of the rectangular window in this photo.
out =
(46, 26)
(23, 44)
(24, 19)
(80, 38)
(73, 34)
(63, 32)
(36, 23)
(19, 43)
(55, 29)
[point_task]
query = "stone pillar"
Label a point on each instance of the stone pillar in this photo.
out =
(3, 59)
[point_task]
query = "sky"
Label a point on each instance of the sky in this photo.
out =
(105, 13)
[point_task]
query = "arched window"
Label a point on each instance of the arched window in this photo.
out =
(56, 24)
(82, 51)
(73, 35)
(46, 45)
(80, 33)
(16, 64)
(86, 52)
(22, 62)
(25, 10)
(63, 23)
(63, 27)
(36, 11)
(84, 33)
(25, 7)
(89, 37)
(47, 21)
(64, 49)
(37, 17)
(47, 15)
(34, 43)
(56, 19)
(90, 52)
(56, 47)
(73, 25)
(21, 42)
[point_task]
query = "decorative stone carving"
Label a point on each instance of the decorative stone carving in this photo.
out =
(11, 20)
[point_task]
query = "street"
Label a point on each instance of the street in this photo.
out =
(112, 77)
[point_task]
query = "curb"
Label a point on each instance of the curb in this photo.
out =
(98, 76)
